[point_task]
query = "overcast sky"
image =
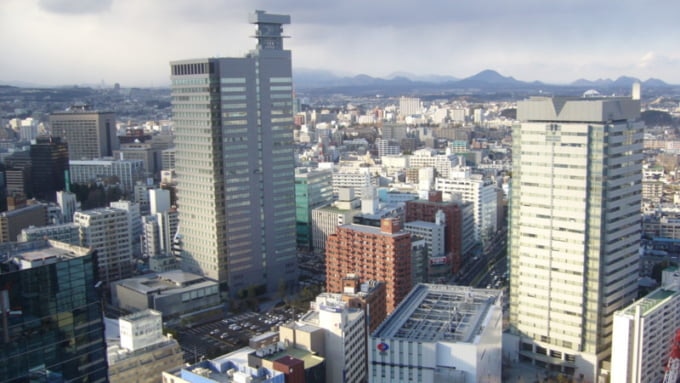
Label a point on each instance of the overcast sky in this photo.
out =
(57, 42)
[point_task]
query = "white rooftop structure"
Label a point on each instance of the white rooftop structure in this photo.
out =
(450, 333)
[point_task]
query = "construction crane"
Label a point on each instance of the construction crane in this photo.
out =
(673, 367)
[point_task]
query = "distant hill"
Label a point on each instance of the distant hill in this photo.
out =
(623, 81)
(486, 80)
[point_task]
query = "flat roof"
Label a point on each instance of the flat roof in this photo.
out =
(40, 252)
(175, 280)
(650, 302)
(310, 359)
(432, 313)
(372, 230)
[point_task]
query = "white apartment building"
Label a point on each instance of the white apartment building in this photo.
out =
(151, 238)
(353, 177)
(344, 337)
(158, 231)
(439, 333)
(432, 233)
(134, 218)
(644, 332)
(473, 188)
(127, 171)
(106, 230)
(409, 106)
(428, 158)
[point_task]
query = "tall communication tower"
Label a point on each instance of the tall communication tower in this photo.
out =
(673, 367)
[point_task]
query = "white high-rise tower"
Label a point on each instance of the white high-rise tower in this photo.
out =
(574, 228)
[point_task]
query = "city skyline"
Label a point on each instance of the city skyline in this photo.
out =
(109, 41)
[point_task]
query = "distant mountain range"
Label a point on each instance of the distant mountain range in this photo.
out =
(306, 79)
(402, 83)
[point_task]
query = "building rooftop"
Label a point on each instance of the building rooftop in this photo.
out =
(372, 230)
(310, 359)
(25, 255)
(143, 314)
(421, 224)
(578, 109)
(22, 210)
(650, 302)
(115, 353)
(175, 280)
(432, 313)
(232, 367)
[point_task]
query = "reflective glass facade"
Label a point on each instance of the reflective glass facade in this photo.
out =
(51, 327)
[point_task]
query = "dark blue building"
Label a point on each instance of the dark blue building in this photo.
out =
(51, 324)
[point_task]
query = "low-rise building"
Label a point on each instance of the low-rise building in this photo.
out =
(440, 333)
(232, 367)
(172, 293)
(125, 172)
(142, 352)
(337, 332)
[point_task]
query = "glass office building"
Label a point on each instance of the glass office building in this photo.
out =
(51, 326)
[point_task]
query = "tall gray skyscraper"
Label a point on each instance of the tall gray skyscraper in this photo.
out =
(574, 228)
(235, 163)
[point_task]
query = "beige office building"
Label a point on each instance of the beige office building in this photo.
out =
(574, 229)
(89, 133)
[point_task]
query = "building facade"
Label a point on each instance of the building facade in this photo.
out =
(574, 233)
(439, 333)
(644, 333)
(49, 166)
(51, 324)
(326, 219)
(372, 253)
(482, 193)
(65, 232)
(142, 352)
(313, 189)
(344, 337)
(107, 230)
(14, 221)
(234, 162)
(89, 133)
(124, 172)
(457, 231)
(172, 293)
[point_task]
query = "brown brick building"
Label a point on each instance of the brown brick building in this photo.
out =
(371, 253)
(420, 210)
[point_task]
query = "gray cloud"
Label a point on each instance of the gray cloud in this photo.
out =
(75, 6)
(132, 41)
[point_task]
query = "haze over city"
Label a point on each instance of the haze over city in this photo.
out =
(62, 42)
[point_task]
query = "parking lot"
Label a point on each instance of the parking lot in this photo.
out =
(217, 338)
